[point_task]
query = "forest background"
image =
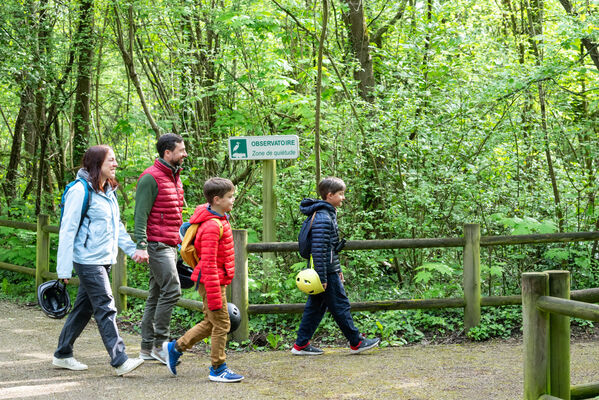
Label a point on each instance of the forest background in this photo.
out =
(435, 114)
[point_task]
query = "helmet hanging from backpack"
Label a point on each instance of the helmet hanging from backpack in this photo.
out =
(308, 281)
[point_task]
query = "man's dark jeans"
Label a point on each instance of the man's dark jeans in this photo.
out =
(93, 298)
(335, 299)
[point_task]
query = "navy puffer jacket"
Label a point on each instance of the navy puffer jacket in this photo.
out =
(325, 236)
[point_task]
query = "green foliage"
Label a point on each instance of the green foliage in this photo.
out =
(427, 269)
(18, 247)
(526, 225)
(274, 340)
(498, 322)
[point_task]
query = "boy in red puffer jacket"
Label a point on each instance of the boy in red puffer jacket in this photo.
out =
(214, 271)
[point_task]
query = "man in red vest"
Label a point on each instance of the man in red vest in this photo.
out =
(158, 205)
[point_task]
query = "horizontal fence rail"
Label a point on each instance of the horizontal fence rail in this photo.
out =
(569, 308)
(238, 290)
(584, 391)
(143, 294)
(485, 241)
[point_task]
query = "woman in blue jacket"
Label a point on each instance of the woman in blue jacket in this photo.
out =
(89, 243)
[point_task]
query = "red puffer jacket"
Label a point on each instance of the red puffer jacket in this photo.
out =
(217, 257)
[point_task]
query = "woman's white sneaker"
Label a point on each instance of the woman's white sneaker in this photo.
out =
(128, 366)
(69, 363)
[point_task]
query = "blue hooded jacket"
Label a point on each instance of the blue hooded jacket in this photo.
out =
(97, 239)
(325, 236)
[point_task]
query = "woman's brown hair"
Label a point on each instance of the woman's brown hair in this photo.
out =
(92, 162)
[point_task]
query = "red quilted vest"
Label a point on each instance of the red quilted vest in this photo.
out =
(165, 217)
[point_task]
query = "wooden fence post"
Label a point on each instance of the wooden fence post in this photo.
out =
(119, 278)
(269, 210)
(471, 276)
(536, 335)
(559, 338)
(239, 285)
(42, 250)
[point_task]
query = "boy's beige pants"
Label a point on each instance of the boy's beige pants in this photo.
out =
(215, 324)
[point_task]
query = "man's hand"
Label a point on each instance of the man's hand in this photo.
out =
(141, 256)
(324, 286)
(341, 277)
(65, 281)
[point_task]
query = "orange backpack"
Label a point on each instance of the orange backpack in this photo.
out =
(188, 250)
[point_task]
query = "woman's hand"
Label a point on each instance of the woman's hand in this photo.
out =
(141, 256)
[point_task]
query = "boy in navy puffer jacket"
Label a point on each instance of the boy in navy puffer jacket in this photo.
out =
(325, 248)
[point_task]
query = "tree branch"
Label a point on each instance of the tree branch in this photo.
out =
(129, 64)
(377, 37)
(588, 43)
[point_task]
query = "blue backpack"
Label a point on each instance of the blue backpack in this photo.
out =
(304, 239)
(86, 199)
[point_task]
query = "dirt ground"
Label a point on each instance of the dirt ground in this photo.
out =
(490, 370)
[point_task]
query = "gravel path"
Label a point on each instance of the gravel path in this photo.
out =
(491, 370)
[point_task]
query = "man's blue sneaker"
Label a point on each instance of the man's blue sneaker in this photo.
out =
(224, 374)
(171, 355)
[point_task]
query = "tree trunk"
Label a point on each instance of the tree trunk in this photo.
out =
(535, 26)
(85, 47)
(556, 196)
(588, 43)
(127, 55)
(360, 43)
(325, 17)
(425, 61)
(10, 182)
(36, 121)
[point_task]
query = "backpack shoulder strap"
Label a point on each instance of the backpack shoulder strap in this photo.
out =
(312, 219)
(86, 199)
(221, 227)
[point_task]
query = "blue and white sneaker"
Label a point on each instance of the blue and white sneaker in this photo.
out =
(171, 356)
(224, 374)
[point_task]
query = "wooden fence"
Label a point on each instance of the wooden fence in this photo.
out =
(471, 242)
(546, 312)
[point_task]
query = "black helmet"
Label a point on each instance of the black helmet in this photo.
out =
(54, 298)
(184, 272)
(234, 317)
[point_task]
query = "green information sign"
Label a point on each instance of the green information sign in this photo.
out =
(263, 147)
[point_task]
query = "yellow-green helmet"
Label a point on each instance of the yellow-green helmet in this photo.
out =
(308, 282)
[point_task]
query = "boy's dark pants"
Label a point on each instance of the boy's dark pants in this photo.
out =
(335, 299)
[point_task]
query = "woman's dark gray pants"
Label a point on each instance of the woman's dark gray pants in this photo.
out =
(93, 298)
